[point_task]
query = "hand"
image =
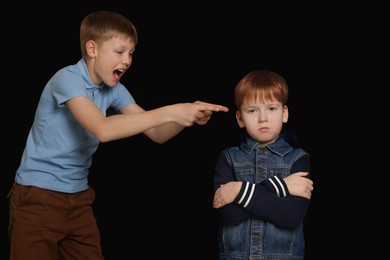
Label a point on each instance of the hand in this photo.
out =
(226, 193)
(206, 114)
(299, 185)
(198, 112)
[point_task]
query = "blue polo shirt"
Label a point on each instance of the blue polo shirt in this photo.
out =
(58, 152)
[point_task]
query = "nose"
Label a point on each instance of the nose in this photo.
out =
(262, 116)
(127, 61)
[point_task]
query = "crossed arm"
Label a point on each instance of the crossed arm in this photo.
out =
(283, 210)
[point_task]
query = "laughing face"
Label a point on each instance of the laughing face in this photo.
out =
(109, 59)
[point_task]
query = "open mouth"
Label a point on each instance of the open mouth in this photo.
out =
(118, 73)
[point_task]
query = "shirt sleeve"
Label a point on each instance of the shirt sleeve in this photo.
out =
(269, 199)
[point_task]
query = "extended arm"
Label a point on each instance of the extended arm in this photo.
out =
(158, 124)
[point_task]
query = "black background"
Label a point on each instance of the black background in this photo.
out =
(155, 200)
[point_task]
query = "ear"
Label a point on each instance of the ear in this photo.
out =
(285, 114)
(90, 46)
(240, 122)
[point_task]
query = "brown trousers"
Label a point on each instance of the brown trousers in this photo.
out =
(52, 225)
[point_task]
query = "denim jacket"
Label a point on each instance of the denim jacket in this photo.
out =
(267, 225)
